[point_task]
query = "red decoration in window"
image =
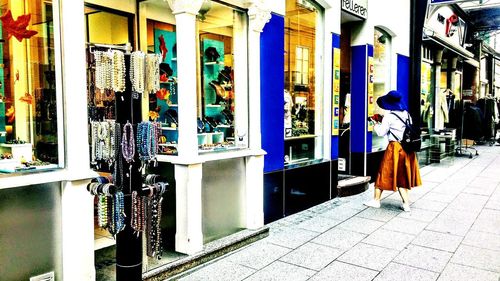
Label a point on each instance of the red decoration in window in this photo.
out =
(17, 28)
(163, 47)
(451, 24)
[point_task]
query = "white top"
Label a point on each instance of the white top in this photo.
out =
(392, 123)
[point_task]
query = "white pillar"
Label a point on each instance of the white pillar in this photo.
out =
(258, 16)
(77, 232)
(185, 12)
(254, 195)
(189, 233)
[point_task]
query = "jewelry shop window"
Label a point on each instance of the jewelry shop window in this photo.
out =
(222, 46)
(303, 99)
(381, 78)
(30, 102)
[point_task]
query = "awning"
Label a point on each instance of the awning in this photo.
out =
(431, 35)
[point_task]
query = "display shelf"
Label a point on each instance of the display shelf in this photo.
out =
(173, 105)
(174, 59)
(214, 63)
(169, 129)
(213, 105)
(300, 137)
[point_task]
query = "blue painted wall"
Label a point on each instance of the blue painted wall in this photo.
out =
(335, 139)
(359, 72)
(272, 79)
(403, 79)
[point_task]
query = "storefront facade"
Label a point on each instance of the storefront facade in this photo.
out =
(365, 55)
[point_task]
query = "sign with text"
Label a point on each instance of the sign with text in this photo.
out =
(370, 91)
(336, 92)
(356, 7)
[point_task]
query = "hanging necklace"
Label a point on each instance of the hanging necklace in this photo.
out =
(153, 73)
(137, 65)
(118, 71)
(128, 144)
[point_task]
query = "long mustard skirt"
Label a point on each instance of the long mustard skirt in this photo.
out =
(398, 169)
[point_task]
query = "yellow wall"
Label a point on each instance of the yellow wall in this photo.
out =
(107, 28)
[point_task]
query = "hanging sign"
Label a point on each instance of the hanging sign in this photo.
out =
(356, 7)
(370, 91)
(336, 92)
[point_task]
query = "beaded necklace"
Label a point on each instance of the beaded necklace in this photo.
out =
(137, 65)
(152, 73)
(137, 220)
(128, 144)
(102, 214)
(118, 71)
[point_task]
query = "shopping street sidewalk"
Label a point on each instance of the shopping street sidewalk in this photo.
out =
(452, 233)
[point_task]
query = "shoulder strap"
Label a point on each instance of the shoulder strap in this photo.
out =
(394, 135)
(407, 122)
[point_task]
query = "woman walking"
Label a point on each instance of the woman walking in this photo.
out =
(399, 169)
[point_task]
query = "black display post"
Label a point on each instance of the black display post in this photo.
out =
(417, 19)
(128, 242)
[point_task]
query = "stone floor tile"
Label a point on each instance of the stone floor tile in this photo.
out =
(339, 271)
(292, 238)
(369, 256)
(493, 203)
(400, 272)
(405, 225)
(488, 221)
(220, 271)
(318, 224)
(340, 213)
(449, 226)
(454, 272)
(313, 256)
(424, 258)
(477, 257)
(437, 240)
(379, 214)
(278, 271)
(429, 205)
(482, 240)
(468, 202)
(339, 238)
(258, 255)
(440, 197)
(361, 225)
(389, 239)
(419, 215)
(484, 182)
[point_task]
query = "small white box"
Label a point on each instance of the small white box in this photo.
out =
(18, 151)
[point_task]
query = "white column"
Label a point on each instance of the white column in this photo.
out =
(185, 20)
(254, 195)
(258, 16)
(77, 232)
(189, 234)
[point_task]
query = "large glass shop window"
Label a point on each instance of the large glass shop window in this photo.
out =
(219, 29)
(28, 98)
(303, 128)
(381, 78)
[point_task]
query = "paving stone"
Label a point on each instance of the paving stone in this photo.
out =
(313, 256)
(477, 257)
(419, 215)
(389, 239)
(468, 202)
(437, 240)
(339, 238)
(318, 224)
(488, 221)
(380, 214)
(339, 271)
(449, 226)
(361, 225)
(292, 237)
(440, 197)
(258, 255)
(482, 240)
(429, 205)
(424, 258)
(405, 225)
(401, 272)
(221, 270)
(369, 256)
(454, 272)
(278, 271)
(340, 213)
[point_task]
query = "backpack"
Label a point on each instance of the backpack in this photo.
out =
(411, 141)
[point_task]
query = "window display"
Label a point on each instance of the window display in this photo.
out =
(218, 29)
(303, 128)
(381, 77)
(29, 98)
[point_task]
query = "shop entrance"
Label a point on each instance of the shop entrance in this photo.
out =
(345, 101)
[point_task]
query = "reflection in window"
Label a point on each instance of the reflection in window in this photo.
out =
(381, 77)
(28, 100)
(302, 102)
(218, 30)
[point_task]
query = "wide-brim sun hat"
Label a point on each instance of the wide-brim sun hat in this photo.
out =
(391, 101)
